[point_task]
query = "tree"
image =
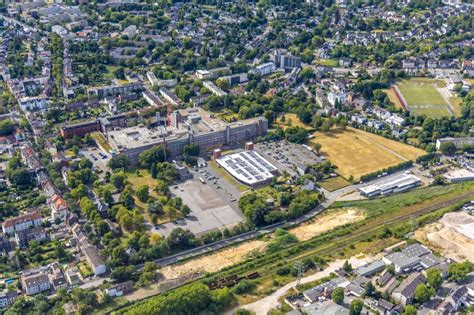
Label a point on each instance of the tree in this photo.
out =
(423, 293)
(180, 239)
(122, 273)
(447, 148)
(156, 154)
(338, 295)
(185, 210)
(155, 207)
(191, 149)
(107, 195)
(118, 161)
(356, 307)
(143, 193)
(410, 310)
(433, 275)
(369, 289)
(127, 200)
(347, 266)
(6, 127)
(153, 171)
(317, 147)
(459, 271)
(119, 180)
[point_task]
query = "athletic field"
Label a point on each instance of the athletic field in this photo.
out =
(423, 96)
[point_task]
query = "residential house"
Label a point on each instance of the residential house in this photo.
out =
(35, 283)
(22, 222)
(23, 237)
(93, 258)
(405, 292)
(120, 289)
(8, 298)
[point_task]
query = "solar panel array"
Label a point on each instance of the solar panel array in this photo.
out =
(248, 165)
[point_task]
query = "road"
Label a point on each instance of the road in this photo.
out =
(263, 306)
(205, 249)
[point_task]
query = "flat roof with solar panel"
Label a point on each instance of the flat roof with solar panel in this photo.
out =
(248, 167)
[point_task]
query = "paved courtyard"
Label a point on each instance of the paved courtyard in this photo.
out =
(210, 209)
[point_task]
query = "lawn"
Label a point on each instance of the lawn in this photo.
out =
(393, 98)
(290, 120)
(143, 177)
(423, 97)
(431, 112)
(334, 183)
(228, 116)
(84, 269)
(224, 174)
(101, 141)
(456, 104)
(328, 62)
(356, 152)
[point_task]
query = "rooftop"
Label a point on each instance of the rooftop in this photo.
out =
(248, 167)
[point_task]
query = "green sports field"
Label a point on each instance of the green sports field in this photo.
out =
(423, 98)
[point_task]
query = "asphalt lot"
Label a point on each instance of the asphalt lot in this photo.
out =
(212, 208)
(288, 156)
(98, 160)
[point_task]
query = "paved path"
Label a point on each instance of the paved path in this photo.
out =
(263, 306)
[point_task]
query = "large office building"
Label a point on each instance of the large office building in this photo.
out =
(248, 167)
(190, 125)
(391, 185)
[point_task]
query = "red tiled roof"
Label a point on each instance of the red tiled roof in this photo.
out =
(32, 216)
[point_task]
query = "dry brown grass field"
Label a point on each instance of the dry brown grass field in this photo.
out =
(356, 152)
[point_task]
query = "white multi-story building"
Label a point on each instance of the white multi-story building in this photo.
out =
(35, 283)
(21, 222)
(264, 68)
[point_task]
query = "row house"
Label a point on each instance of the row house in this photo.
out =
(8, 298)
(22, 222)
(23, 237)
(36, 283)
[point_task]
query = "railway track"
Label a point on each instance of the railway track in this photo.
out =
(269, 266)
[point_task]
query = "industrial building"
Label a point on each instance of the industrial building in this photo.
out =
(460, 175)
(248, 167)
(189, 125)
(391, 185)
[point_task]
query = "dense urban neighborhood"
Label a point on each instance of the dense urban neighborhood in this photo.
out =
(241, 157)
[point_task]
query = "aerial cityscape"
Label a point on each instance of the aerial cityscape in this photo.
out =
(237, 157)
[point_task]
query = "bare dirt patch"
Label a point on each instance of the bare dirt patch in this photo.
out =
(446, 235)
(215, 261)
(235, 254)
(326, 222)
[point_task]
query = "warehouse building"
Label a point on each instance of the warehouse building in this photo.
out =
(391, 185)
(248, 167)
(460, 175)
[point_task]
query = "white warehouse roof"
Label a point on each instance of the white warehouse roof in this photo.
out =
(392, 184)
(248, 167)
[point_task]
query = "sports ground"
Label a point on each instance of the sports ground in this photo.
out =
(425, 96)
(356, 152)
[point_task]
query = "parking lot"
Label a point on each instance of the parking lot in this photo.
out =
(98, 158)
(212, 200)
(289, 157)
